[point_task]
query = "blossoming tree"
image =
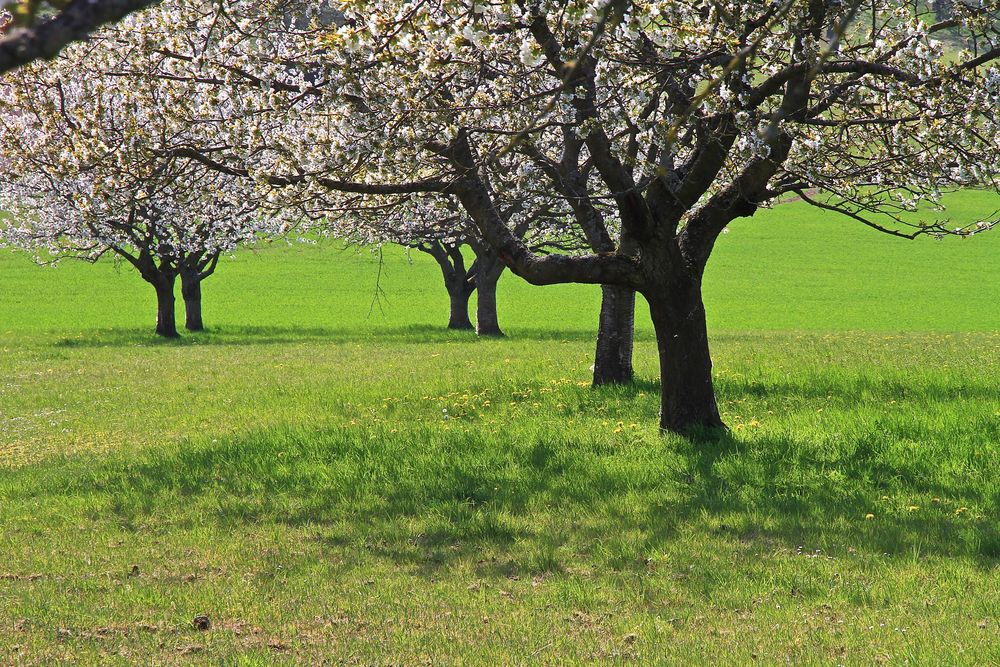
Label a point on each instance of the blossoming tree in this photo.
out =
(266, 61)
(448, 238)
(461, 282)
(448, 241)
(668, 119)
(87, 177)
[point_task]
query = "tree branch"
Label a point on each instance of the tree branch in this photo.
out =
(45, 40)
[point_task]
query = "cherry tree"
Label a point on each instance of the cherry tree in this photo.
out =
(664, 121)
(266, 61)
(448, 238)
(461, 279)
(445, 239)
(88, 177)
(461, 282)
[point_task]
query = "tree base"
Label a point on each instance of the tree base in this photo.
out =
(711, 429)
(607, 377)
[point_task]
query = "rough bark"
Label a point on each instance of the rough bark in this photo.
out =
(191, 292)
(459, 295)
(489, 270)
(615, 332)
(687, 401)
(166, 324)
(457, 280)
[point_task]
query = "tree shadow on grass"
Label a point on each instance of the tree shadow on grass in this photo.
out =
(282, 335)
(426, 498)
(845, 390)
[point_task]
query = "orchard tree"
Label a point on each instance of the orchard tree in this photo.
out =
(671, 118)
(268, 62)
(459, 280)
(87, 177)
(447, 240)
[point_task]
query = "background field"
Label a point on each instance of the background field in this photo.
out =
(785, 269)
(292, 475)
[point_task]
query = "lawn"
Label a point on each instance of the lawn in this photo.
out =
(328, 475)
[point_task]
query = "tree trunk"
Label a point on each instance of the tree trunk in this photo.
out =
(487, 322)
(615, 332)
(456, 279)
(943, 9)
(687, 402)
(191, 292)
(459, 294)
(166, 325)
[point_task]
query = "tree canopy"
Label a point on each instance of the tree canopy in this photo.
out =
(91, 173)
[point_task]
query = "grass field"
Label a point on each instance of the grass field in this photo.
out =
(292, 474)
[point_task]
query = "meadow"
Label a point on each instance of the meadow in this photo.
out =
(330, 476)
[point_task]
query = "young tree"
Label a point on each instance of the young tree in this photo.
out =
(675, 118)
(88, 176)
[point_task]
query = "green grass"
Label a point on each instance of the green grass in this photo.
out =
(291, 473)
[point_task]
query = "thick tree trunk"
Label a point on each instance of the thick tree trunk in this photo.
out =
(191, 292)
(166, 325)
(615, 332)
(687, 402)
(459, 293)
(487, 322)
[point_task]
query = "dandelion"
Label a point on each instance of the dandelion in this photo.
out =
(869, 516)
